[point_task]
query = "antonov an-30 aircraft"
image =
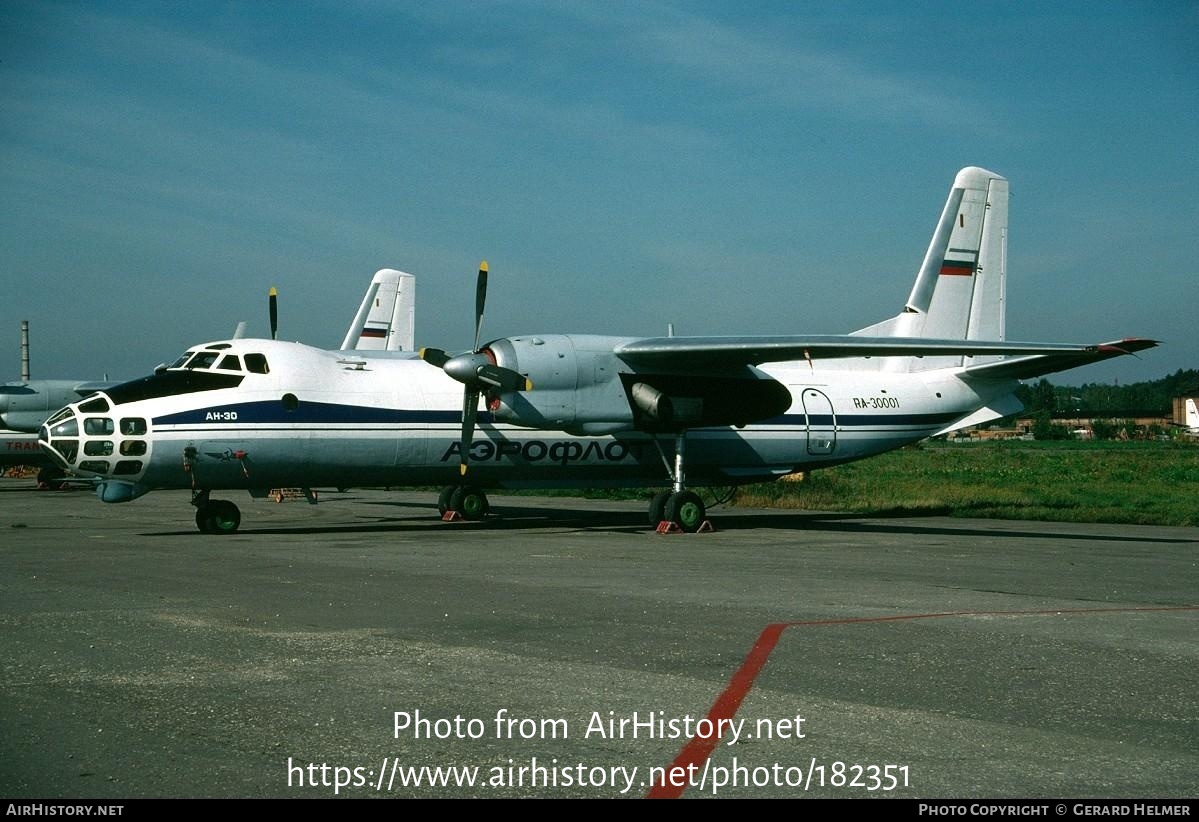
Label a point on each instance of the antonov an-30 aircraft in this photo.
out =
(569, 410)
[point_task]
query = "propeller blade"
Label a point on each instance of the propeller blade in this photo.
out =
(470, 406)
(480, 300)
(434, 356)
(273, 302)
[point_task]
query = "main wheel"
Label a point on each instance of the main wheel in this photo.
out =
(470, 502)
(686, 510)
(657, 508)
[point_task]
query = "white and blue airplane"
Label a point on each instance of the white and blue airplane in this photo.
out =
(569, 410)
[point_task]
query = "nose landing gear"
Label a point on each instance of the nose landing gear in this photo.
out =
(217, 516)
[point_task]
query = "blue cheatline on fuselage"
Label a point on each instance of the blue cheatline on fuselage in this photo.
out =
(267, 412)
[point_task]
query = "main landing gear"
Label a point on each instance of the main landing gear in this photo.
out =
(677, 507)
(217, 516)
(467, 501)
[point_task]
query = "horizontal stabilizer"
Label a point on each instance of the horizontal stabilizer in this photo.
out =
(1037, 365)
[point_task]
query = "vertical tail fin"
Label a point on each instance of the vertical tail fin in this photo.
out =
(960, 289)
(386, 319)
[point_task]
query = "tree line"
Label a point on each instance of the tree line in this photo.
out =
(1111, 408)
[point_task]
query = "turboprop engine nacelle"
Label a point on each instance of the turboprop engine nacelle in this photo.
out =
(576, 384)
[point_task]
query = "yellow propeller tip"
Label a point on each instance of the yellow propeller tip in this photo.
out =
(462, 470)
(272, 292)
(483, 265)
(528, 385)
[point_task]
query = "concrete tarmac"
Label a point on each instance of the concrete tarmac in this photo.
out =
(563, 649)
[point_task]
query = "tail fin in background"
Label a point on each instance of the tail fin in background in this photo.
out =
(960, 290)
(386, 320)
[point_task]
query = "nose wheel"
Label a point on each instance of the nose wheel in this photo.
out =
(217, 516)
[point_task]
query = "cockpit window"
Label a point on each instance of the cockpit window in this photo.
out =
(256, 364)
(204, 359)
(60, 415)
(97, 426)
(179, 362)
(70, 428)
(230, 362)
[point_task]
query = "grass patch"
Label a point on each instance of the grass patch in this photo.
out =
(1121, 482)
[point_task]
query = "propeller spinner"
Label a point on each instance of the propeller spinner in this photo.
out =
(476, 370)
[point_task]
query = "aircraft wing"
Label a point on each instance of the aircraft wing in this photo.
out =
(709, 352)
(1037, 365)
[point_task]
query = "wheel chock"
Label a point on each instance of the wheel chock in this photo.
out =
(452, 516)
(668, 527)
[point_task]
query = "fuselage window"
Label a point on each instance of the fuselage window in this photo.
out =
(204, 359)
(256, 364)
(128, 467)
(133, 426)
(98, 426)
(95, 466)
(230, 362)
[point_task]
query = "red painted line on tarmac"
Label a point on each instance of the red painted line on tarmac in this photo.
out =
(697, 750)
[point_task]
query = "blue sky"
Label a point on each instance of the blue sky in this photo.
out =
(729, 167)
